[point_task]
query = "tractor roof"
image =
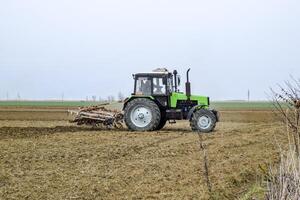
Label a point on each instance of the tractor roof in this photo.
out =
(158, 71)
(153, 74)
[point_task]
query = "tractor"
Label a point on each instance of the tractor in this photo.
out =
(156, 99)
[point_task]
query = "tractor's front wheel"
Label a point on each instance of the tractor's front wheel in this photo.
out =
(203, 120)
(142, 115)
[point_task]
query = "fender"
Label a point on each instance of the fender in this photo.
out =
(127, 100)
(216, 114)
(191, 112)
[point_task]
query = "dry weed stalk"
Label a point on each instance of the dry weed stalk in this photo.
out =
(205, 159)
(284, 182)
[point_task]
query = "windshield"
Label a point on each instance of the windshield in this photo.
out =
(170, 85)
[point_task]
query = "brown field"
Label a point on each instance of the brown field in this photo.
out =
(42, 156)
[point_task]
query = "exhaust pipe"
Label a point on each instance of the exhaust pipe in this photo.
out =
(175, 80)
(188, 85)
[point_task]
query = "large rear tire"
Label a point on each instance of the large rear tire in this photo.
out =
(163, 121)
(203, 120)
(142, 114)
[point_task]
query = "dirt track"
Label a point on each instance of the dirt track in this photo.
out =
(45, 158)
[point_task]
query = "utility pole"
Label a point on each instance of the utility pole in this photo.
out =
(248, 95)
(19, 96)
(62, 97)
(7, 96)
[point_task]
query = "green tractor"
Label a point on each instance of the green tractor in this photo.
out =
(156, 99)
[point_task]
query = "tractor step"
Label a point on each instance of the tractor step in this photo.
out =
(174, 114)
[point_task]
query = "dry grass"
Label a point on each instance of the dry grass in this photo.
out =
(284, 180)
(45, 158)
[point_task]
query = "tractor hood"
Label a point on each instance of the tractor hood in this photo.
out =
(177, 96)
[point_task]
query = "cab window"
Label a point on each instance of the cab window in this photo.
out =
(159, 87)
(143, 86)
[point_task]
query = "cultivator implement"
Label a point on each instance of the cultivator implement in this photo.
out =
(97, 116)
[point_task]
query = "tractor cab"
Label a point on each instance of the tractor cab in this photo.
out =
(153, 83)
(159, 84)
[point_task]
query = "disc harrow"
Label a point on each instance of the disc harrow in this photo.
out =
(97, 116)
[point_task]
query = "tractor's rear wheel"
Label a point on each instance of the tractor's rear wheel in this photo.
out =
(142, 114)
(203, 120)
(163, 121)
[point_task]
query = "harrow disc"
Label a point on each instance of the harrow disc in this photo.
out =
(97, 116)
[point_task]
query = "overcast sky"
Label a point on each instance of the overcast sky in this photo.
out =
(92, 47)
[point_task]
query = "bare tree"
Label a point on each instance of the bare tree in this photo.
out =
(121, 96)
(287, 104)
(94, 98)
(110, 98)
(284, 181)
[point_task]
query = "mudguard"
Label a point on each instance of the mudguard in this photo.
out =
(191, 112)
(127, 100)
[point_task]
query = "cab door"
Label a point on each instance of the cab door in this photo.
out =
(160, 90)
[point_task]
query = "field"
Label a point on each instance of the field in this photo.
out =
(43, 156)
(223, 105)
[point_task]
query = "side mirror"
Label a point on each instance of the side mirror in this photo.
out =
(178, 80)
(165, 81)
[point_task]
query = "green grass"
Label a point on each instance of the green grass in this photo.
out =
(48, 103)
(219, 105)
(240, 105)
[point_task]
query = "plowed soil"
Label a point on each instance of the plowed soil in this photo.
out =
(43, 156)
